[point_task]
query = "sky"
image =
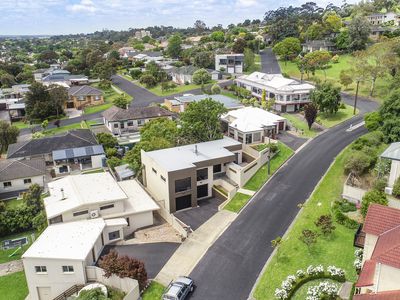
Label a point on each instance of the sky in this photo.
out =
(46, 17)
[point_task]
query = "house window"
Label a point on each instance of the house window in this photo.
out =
(130, 123)
(240, 137)
(27, 181)
(182, 185)
(127, 221)
(108, 206)
(97, 98)
(56, 220)
(68, 269)
(7, 184)
(217, 168)
(162, 178)
(257, 136)
(41, 269)
(202, 174)
(80, 213)
(81, 98)
(113, 235)
(249, 138)
(154, 170)
(140, 122)
(115, 125)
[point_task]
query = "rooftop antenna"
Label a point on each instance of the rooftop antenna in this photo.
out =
(62, 194)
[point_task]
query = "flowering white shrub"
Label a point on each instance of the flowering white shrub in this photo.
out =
(287, 285)
(312, 271)
(322, 290)
(300, 273)
(336, 272)
(281, 294)
(358, 261)
(359, 253)
(291, 278)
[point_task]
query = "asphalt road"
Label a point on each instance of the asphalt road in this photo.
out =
(269, 63)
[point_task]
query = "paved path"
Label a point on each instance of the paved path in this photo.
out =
(269, 63)
(231, 266)
(193, 248)
(11, 267)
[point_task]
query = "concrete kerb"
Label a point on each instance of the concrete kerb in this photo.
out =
(251, 296)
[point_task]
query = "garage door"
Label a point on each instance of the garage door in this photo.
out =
(44, 293)
(183, 202)
(202, 191)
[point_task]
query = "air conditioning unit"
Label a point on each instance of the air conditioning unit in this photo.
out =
(94, 214)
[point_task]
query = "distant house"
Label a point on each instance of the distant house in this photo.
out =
(78, 159)
(83, 96)
(71, 200)
(43, 147)
(148, 56)
(183, 74)
(142, 33)
(127, 52)
(289, 94)
(60, 77)
(250, 125)
(64, 257)
(389, 18)
(380, 273)
(16, 109)
(120, 121)
(180, 103)
(230, 63)
(318, 45)
(17, 175)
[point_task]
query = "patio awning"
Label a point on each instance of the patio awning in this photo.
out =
(78, 152)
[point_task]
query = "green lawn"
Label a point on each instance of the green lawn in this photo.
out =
(256, 66)
(301, 125)
(5, 254)
(109, 96)
(20, 124)
(292, 255)
(301, 293)
(12, 203)
(237, 202)
(65, 128)
(261, 176)
(153, 292)
(13, 286)
(179, 89)
(382, 87)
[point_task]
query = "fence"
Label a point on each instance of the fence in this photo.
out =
(128, 285)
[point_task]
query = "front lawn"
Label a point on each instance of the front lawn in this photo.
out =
(153, 292)
(13, 286)
(5, 254)
(178, 90)
(65, 128)
(293, 255)
(12, 203)
(301, 125)
(261, 176)
(382, 87)
(328, 120)
(109, 96)
(237, 202)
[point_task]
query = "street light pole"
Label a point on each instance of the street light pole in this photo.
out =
(269, 156)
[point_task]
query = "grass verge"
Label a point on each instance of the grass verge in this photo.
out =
(13, 286)
(336, 250)
(237, 202)
(261, 176)
(65, 128)
(153, 292)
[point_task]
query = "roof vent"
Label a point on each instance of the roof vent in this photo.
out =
(195, 149)
(62, 194)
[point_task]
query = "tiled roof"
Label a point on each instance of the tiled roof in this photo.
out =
(118, 114)
(84, 90)
(389, 295)
(367, 274)
(380, 219)
(387, 248)
(70, 139)
(13, 169)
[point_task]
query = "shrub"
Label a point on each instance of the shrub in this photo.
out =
(358, 164)
(346, 206)
(106, 139)
(325, 224)
(273, 147)
(110, 152)
(373, 196)
(216, 89)
(135, 73)
(105, 84)
(396, 188)
(380, 184)
(114, 162)
(148, 80)
(372, 139)
(341, 218)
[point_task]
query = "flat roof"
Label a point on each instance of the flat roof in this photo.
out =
(183, 157)
(73, 191)
(251, 119)
(71, 240)
(228, 102)
(138, 199)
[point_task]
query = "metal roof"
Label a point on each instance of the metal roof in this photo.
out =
(392, 152)
(77, 152)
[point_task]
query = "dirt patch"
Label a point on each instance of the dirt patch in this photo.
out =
(11, 267)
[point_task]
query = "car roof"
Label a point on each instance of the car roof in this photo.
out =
(174, 289)
(184, 280)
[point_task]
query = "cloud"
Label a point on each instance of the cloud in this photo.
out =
(83, 6)
(246, 3)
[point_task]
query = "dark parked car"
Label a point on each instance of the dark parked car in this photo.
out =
(179, 289)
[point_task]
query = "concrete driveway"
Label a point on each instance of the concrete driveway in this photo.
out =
(290, 140)
(195, 217)
(154, 255)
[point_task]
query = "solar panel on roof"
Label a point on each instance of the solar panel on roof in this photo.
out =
(69, 153)
(89, 150)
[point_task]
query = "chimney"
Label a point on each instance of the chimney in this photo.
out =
(195, 149)
(62, 194)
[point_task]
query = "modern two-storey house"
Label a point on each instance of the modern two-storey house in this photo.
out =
(230, 63)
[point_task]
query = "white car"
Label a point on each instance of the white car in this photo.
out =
(179, 289)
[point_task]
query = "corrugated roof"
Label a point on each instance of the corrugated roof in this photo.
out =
(77, 152)
(392, 152)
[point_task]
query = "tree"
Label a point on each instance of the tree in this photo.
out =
(39, 222)
(8, 135)
(200, 122)
(325, 224)
(107, 140)
(58, 96)
(264, 99)
(216, 89)
(359, 31)
(342, 40)
(113, 162)
(44, 125)
(288, 49)
(317, 60)
(373, 121)
(358, 163)
(239, 45)
(200, 26)
(390, 116)
(326, 97)
(92, 294)
(202, 77)
(104, 70)
(121, 101)
(396, 188)
(218, 36)
(39, 104)
(373, 196)
(135, 73)
(174, 48)
(203, 59)
(248, 59)
(308, 237)
(345, 78)
(7, 80)
(332, 22)
(48, 56)
(33, 198)
(310, 113)
(148, 80)
(315, 31)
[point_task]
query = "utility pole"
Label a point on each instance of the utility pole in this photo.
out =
(269, 155)
(355, 98)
